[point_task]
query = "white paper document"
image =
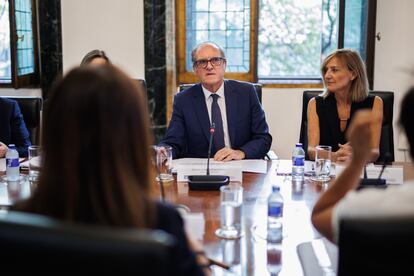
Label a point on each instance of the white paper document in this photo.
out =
(392, 174)
(194, 224)
(285, 167)
(247, 165)
(234, 171)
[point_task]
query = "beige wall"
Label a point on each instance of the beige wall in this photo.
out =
(394, 56)
(114, 26)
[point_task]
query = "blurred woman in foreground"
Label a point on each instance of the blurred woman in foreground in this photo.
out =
(96, 163)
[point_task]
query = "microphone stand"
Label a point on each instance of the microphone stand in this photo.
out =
(375, 182)
(212, 128)
(208, 182)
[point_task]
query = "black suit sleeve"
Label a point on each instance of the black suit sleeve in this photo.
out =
(19, 132)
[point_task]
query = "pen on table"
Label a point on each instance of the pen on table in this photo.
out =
(218, 263)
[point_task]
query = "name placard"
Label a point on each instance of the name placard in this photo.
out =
(392, 174)
(234, 171)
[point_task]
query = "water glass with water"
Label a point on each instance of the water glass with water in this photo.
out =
(231, 201)
(323, 161)
(34, 163)
(163, 162)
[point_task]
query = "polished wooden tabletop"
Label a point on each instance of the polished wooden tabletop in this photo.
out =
(248, 255)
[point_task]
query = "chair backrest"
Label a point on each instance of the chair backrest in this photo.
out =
(30, 108)
(257, 86)
(376, 246)
(303, 137)
(37, 243)
(387, 132)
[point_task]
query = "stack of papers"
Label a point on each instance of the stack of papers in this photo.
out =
(198, 166)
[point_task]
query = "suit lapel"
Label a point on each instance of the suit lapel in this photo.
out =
(231, 110)
(201, 110)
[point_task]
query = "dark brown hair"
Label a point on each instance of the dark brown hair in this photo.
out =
(96, 140)
(94, 54)
(406, 119)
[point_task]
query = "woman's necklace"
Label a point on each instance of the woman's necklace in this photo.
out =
(344, 113)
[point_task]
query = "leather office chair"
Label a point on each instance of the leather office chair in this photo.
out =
(37, 243)
(257, 86)
(30, 108)
(387, 132)
(376, 246)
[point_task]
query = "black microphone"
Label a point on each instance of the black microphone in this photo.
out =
(208, 182)
(376, 182)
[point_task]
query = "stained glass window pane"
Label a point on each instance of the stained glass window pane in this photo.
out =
(225, 22)
(25, 50)
(5, 56)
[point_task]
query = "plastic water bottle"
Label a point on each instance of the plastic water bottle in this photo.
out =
(274, 215)
(12, 163)
(298, 163)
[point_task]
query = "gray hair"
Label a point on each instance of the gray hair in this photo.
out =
(94, 54)
(205, 43)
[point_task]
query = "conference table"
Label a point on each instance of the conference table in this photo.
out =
(248, 255)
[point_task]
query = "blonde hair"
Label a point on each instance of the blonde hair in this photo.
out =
(359, 86)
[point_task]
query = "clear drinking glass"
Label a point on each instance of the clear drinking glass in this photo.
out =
(231, 201)
(323, 161)
(163, 163)
(35, 162)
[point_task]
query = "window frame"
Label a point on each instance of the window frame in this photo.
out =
(184, 76)
(28, 80)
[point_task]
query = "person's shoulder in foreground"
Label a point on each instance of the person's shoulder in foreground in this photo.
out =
(170, 221)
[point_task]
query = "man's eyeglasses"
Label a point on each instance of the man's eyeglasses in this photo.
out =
(203, 63)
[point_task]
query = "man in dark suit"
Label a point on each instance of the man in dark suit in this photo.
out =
(12, 128)
(240, 129)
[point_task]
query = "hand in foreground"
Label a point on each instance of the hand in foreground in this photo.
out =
(227, 154)
(344, 153)
(3, 150)
(359, 134)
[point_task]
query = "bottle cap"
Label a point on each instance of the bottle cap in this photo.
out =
(298, 144)
(12, 146)
(275, 188)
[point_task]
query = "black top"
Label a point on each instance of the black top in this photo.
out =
(330, 133)
(170, 221)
